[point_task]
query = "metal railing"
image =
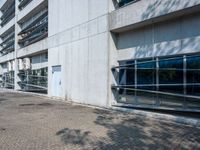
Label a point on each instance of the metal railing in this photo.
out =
(34, 29)
(8, 14)
(122, 3)
(23, 4)
(31, 82)
(7, 43)
(8, 80)
(157, 79)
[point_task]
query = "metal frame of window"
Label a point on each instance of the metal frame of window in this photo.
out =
(34, 83)
(8, 80)
(8, 14)
(23, 4)
(122, 3)
(8, 43)
(35, 29)
(135, 88)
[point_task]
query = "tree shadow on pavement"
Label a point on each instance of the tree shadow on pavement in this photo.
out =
(127, 131)
(71, 136)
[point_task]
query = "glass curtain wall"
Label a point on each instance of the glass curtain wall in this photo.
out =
(168, 82)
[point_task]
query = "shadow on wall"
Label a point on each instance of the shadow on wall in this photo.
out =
(165, 38)
(125, 131)
(168, 5)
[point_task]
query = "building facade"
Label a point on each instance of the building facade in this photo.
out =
(107, 53)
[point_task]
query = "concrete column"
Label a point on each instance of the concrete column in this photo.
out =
(17, 79)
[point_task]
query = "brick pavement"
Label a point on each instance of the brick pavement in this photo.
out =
(33, 123)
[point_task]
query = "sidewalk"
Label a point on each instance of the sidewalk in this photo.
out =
(28, 122)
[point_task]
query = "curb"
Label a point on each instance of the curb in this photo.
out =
(164, 117)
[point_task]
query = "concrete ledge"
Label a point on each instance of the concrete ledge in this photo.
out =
(10, 24)
(29, 9)
(146, 12)
(33, 48)
(7, 57)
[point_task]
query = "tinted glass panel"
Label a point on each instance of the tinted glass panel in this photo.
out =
(193, 103)
(122, 77)
(146, 98)
(193, 75)
(171, 101)
(171, 75)
(122, 74)
(171, 71)
(146, 75)
(130, 73)
(128, 96)
(169, 91)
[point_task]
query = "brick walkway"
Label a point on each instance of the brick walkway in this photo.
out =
(33, 123)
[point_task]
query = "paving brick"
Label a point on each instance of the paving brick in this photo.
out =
(33, 123)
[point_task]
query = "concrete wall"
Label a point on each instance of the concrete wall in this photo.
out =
(145, 12)
(83, 54)
(166, 38)
(7, 57)
(39, 61)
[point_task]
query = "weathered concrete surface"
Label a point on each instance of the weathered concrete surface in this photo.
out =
(146, 12)
(33, 123)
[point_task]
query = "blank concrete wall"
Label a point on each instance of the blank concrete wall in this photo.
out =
(65, 14)
(166, 38)
(78, 33)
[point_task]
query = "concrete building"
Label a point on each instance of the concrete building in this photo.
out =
(107, 53)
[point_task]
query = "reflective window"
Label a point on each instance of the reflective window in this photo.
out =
(146, 74)
(130, 73)
(193, 75)
(172, 82)
(171, 75)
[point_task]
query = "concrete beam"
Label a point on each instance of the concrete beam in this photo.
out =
(29, 10)
(33, 49)
(145, 12)
(9, 25)
(7, 57)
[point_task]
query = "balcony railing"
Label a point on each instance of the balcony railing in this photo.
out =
(32, 81)
(122, 3)
(35, 30)
(8, 80)
(23, 3)
(8, 14)
(8, 43)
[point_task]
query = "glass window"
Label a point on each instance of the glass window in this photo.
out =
(170, 101)
(171, 75)
(146, 98)
(130, 73)
(146, 74)
(193, 75)
(161, 86)
(127, 78)
(193, 103)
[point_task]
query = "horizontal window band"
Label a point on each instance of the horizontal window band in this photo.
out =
(143, 85)
(156, 92)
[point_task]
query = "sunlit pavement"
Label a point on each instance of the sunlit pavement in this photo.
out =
(33, 123)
